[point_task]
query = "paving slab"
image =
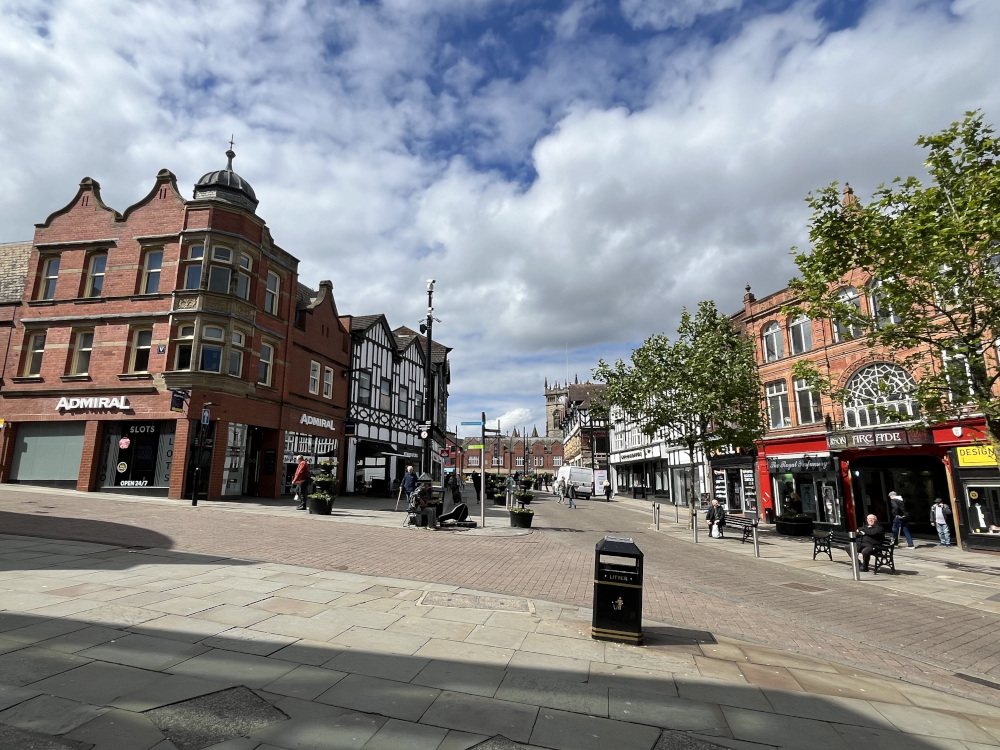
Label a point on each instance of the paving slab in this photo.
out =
(543, 689)
(118, 729)
(498, 637)
(249, 641)
(11, 696)
(569, 731)
(555, 645)
(632, 678)
(50, 714)
(404, 735)
(397, 700)
(188, 629)
(350, 731)
(31, 664)
(170, 688)
(475, 714)
(882, 690)
(98, 682)
(657, 709)
(246, 669)
(294, 626)
(386, 666)
(305, 682)
(460, 677)
(437, 648)
(380, 641)
(12, 738)
(922, 721)
(785, 731)
(461, 740)
(723, 693)
(849, 711)
(420, 626)
(143, 651)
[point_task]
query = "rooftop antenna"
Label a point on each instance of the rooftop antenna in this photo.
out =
(231, 141)
(567, 361)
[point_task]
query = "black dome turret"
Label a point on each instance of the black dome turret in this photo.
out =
(227, 186)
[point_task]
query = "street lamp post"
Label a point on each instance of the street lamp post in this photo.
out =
(427, 328)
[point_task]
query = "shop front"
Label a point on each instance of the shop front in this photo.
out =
(46, 453)
(313, 436)
(808, 485)
(734, 483)
(136, 457)
(977, 491)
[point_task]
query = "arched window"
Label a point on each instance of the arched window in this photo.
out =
(801, 334)
(774, 347)
(882, 313)
(877, 393)
(841, 331)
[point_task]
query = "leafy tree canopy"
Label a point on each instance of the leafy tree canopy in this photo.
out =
(702, 389)
(929, 258)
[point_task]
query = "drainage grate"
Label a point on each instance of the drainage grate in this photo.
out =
(467, 601)
(804, 587)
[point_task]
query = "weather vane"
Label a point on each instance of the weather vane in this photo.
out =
(231, 141)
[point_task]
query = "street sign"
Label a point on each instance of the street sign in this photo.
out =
(206, 415)
(474, 447)
(475, 424)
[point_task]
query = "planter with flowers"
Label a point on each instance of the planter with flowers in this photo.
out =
(324, 489)
(521, 517)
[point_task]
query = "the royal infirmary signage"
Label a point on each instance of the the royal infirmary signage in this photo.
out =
(309, 419)
(92, 403)
(838, 441)
(799, 464)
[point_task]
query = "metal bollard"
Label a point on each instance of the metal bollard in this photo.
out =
(694, 523)
(756, 543)
(656, 515)
(855, 568)
(677, 513)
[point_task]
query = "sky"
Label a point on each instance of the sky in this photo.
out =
(571, 172)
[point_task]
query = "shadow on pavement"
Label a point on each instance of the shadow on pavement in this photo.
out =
(190, 659)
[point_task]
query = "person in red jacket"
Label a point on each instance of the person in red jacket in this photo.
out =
(300, 482)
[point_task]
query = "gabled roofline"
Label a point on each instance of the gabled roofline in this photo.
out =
(163, 176)
(87, 185)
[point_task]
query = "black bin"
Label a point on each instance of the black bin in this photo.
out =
(617, 591)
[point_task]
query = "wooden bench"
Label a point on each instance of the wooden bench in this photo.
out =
(883, 554)
(739, 522)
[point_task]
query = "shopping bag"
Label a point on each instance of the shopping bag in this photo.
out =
(715, 531)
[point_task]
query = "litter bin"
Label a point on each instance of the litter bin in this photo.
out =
(769, 515)
(617, 591)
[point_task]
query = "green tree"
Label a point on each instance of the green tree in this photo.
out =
(930, 260)
(702, 389)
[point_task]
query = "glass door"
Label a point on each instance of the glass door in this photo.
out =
(984, 508)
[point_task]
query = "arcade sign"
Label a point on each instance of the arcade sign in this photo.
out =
(838, 441)
(309, 419)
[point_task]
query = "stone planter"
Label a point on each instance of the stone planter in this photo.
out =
(798, 527)
(521, 520)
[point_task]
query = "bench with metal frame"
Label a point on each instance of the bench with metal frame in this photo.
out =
(746, 524)
(883, 553)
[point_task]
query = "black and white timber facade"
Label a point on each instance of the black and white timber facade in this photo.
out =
(386, 403)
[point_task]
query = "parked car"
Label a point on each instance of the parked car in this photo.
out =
(580, 477)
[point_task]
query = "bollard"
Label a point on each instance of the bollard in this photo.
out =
(194, 490)
(677, 513)
(694, 523)
(855, 568)
(656, 515)
(756, 543)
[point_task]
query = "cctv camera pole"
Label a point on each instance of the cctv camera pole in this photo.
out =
(428, 330)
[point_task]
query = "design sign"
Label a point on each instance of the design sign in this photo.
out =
(976, 455)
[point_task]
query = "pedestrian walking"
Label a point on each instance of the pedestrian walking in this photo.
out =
(561, 490)
(571, 495)
(476, 485)
(607, 491)
(300, 482)
(939, 517)
(900, 518)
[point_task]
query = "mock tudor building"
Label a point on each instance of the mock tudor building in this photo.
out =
(169, 349)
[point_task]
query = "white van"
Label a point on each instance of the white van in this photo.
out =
(581, 478)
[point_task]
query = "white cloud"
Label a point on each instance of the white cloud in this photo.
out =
(667, 14)
(574, 197)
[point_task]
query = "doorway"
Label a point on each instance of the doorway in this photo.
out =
(919, 479)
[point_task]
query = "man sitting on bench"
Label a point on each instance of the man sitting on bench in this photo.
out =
(871, 536)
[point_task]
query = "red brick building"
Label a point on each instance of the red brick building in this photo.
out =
(513, 454)
(842, 458)
(133, 325)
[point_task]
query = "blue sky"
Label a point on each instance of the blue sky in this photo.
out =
(572, 172)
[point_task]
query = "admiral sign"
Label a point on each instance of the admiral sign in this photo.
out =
(93, 402)
(317, 422)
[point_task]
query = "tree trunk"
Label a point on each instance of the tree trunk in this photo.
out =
(694, 494)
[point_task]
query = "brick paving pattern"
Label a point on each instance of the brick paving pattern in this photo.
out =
(703, 587)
